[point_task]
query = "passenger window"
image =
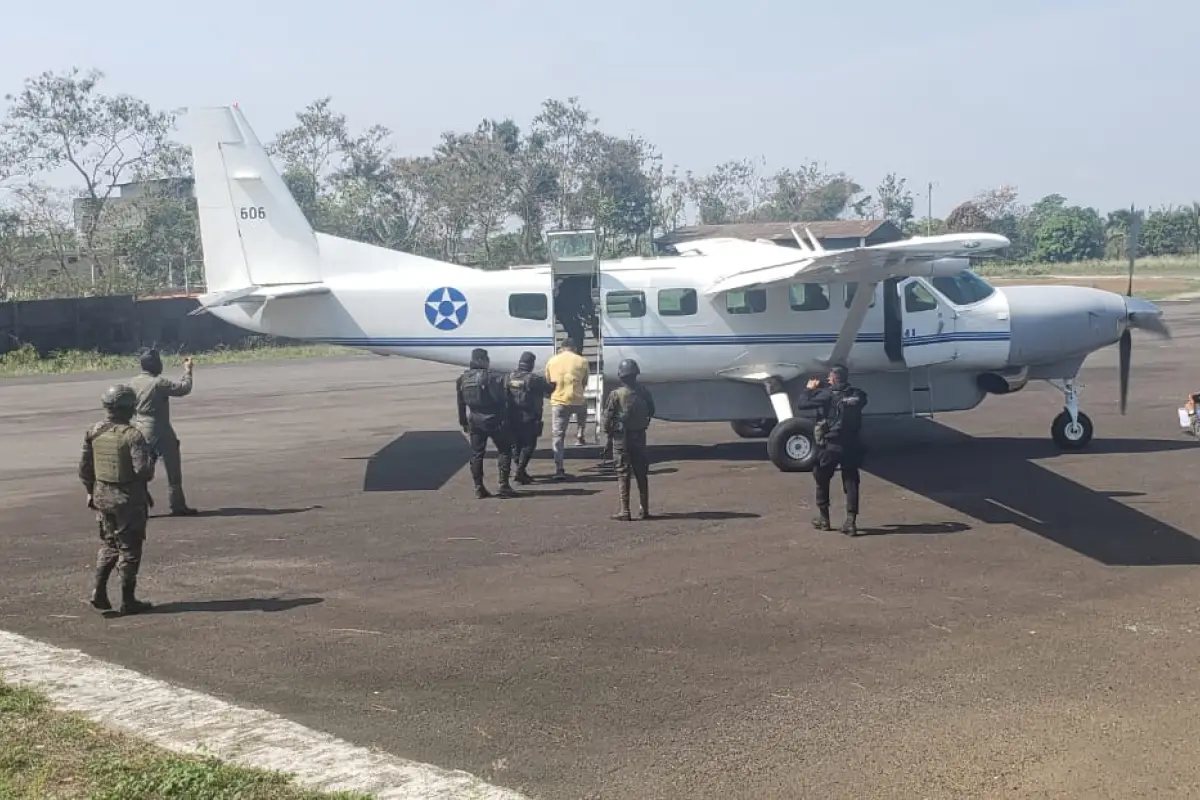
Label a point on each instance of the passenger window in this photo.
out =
(676, 302)
(528, 306)
(917, 298)
(808, 297)
(851, 290)
(746, 301)
(625, 305)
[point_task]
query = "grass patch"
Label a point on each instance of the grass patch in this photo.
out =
(26, 361)
(1151, 265)
(50, 754)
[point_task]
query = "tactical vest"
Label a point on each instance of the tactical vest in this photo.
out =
(634, 413)
(845, 419)
(479, 392)
(518, 387)
(474, 388)
(111, 459)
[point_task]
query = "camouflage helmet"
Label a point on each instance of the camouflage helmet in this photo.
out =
(628, 369)
(119, 398)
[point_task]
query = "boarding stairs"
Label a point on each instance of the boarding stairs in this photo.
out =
(590, 349)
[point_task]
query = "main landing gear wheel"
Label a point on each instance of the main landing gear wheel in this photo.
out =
(792, 447)
(1071, 435)
(753, 428)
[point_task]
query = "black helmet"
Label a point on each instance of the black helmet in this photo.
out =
(527, 359)
(841, 373)
(479, 358)
(628, 369)
(119, 398)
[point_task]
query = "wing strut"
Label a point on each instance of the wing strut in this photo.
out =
(851, 325)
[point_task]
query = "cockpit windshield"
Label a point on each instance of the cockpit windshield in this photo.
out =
(963, 288)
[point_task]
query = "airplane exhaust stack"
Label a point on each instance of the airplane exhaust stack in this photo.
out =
(1006, 382)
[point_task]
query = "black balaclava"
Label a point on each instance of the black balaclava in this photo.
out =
(151, 362)
(841, 374)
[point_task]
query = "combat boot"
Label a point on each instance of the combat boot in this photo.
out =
(506, 489)
(821, 523)
(524, 478)
(644, 497)
(850, 526)
(623, 492)
(178, 504)
(100, 599)
(129, 603)
(481, 492)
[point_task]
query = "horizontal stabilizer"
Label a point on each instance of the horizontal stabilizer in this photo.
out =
(258, 295)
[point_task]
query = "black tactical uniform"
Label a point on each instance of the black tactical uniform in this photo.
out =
(627, 414)
(483, 414)
(115, 465)
(527, 394)
(839, 424)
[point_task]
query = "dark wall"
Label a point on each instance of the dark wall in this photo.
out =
(118, 325)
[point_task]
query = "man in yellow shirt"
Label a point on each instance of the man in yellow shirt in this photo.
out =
(568, 371)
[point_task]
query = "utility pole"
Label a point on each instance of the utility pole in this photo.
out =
(929, 208)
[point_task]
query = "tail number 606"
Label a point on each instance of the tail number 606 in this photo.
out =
(251, 212)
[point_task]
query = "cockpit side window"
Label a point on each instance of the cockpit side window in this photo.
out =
(917, 298)
(963, 288)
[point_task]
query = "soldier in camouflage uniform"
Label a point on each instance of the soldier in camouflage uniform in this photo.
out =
(153, 419)
(627, 415)
(115, 467)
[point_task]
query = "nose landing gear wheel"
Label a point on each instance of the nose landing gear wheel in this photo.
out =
(1071, 435)
(791, 445)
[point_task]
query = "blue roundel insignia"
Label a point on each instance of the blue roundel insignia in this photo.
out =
(446, 308)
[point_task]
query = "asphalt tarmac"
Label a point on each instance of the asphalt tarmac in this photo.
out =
(1019, 622)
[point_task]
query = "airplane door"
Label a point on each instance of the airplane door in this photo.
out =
(928, 325)
(575, 273)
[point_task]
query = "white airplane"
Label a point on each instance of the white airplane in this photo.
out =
(725, 330)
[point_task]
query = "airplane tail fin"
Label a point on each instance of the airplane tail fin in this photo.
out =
(253, 232)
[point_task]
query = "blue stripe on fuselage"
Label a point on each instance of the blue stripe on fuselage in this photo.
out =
(661, 341)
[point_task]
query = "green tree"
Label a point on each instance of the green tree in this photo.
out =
(63, 121)
(1068, 233)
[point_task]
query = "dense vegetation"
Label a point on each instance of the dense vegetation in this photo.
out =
(483, 197)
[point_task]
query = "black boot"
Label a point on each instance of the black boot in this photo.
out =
(481, 492)
(821, 522)
(524, 478)
(129, 603)
(506, 489)
(100, 599)
(850, 526)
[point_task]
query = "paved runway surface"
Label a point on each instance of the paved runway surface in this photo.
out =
(1023, 622)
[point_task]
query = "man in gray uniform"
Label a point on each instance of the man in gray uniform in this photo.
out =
(153, 420)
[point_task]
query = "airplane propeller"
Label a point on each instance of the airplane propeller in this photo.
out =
(1142, 315)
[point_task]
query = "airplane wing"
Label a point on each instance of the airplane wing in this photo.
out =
(258, 295)
(756, 266)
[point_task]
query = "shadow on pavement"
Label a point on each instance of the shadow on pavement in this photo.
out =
(264, 604)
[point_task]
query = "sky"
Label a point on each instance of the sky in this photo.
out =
(1092, 99)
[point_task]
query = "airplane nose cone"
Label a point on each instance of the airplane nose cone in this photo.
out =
(1055, 323)
(1144, 315)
